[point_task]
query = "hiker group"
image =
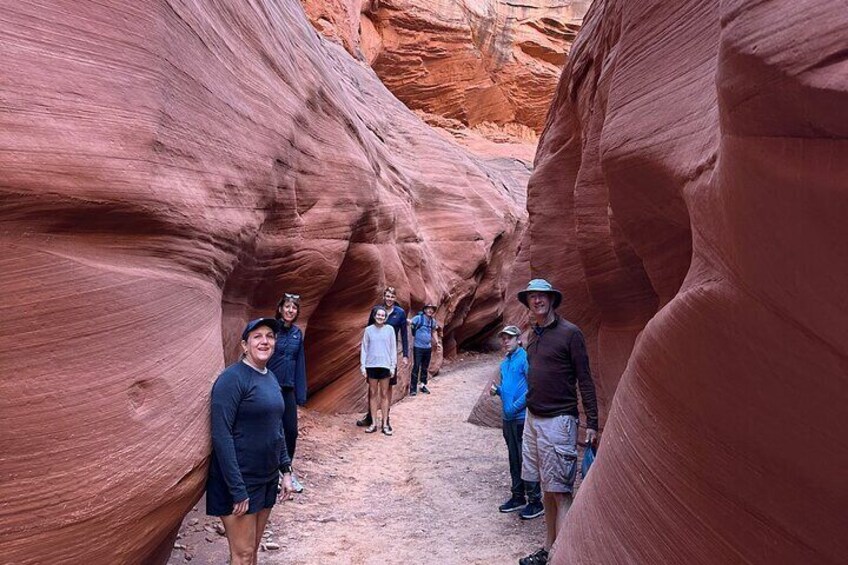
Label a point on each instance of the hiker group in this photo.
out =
(254, 414)
(254, 409)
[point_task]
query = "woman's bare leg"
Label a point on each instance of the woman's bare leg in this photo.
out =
(241, 536)
(385, 399)
(261, 521)
(374, 390)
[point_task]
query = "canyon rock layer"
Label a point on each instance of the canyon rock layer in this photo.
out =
(168, 169)
(689, 198)
(475, 61)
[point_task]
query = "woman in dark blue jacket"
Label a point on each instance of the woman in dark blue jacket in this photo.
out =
(288, 363)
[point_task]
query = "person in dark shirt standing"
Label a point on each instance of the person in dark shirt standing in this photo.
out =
(288, 363)
(248, 444)
(558, 366)
(397, 320)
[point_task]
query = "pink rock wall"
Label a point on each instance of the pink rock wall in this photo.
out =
(692, 173)
(168, 169)
(475, 61)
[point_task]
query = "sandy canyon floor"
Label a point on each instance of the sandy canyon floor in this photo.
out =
(429, 494)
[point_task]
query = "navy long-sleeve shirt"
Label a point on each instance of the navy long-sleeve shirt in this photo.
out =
(513, 387)
(289, 362)
(248, 445)
(397, 320)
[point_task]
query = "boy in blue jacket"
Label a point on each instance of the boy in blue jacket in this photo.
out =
(513, 393)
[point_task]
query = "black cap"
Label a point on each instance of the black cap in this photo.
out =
(253, 324)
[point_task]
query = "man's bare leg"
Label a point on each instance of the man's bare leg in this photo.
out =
(557, 505)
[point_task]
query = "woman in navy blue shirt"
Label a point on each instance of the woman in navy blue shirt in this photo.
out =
(248, 446)
(289, 365)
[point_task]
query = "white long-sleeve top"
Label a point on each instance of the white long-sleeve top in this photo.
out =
(379, 348)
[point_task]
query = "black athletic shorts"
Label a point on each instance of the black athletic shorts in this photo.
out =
(378, 372)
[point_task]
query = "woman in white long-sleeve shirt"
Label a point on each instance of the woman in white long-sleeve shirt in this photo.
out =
(377, 361)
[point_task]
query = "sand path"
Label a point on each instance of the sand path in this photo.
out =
(428, 494)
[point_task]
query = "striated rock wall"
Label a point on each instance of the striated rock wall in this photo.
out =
(167, 169)
(689, 197)
(476, 61)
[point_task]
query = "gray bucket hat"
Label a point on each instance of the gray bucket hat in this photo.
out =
(540, 285)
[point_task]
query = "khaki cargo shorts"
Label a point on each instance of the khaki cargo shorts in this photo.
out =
(549, 452)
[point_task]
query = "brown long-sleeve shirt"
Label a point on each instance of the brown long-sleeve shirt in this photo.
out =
(558, 365)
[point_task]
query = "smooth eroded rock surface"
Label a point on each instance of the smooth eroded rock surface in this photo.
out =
(693, 174)
(169, 169)
(476, 61)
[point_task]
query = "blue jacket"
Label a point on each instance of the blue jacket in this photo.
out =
(288, 362)
(422, 331)
(397, 320)
(513, 387)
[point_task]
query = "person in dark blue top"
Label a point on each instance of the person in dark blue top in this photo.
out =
(288, 363)
(396, 319)
(248, 445)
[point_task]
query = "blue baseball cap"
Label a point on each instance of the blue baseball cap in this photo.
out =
(540, 285)
(253, 324)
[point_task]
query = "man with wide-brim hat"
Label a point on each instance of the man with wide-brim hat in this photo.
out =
(558, 366)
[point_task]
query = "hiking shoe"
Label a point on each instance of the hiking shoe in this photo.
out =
(296, 485)
(424, 389)
(512, 505)
(532, 510)
(365, 421)
(538, 558)
(387, 430)
(371, 429)
(413, 391)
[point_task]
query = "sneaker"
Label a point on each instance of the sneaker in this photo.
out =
(365, 421)
(388, 430)
(532, 510)
(371, 429)
(296, 485)
(424, 389)
(538, 558)
(413, 391)
(512, 505)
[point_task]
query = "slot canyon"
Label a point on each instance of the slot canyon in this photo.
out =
(169, 168)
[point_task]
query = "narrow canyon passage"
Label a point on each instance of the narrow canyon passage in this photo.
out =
(429, 494)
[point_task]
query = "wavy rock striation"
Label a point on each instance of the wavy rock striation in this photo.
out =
(168, 169)
(491, 61)
(689, 198)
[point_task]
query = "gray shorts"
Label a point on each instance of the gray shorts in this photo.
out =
(549, 452)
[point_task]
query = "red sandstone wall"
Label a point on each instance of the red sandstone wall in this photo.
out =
(474, 61)
(167, 169)
(692, 173)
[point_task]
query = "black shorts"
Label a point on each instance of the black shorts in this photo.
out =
(219, 502)
(378, 372)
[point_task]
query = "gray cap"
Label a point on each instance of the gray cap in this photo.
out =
(510, 330)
